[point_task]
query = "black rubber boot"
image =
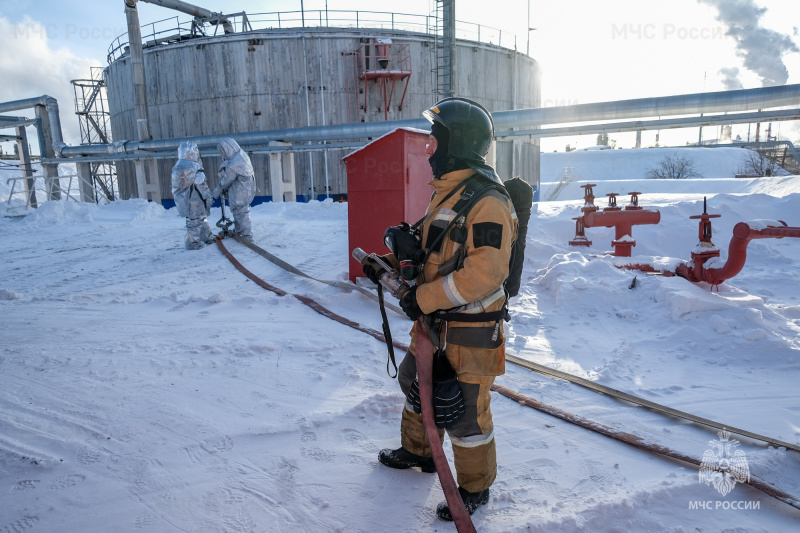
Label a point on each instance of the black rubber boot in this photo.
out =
(402, 459)
(472, 500)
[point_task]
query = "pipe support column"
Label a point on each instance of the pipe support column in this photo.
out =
(46, 149)
(147, 186)
(85, 182)
(27, 171)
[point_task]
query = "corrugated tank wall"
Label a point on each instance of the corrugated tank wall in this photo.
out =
(264, 80)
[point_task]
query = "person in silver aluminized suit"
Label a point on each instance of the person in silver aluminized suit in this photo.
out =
(192, 195)
(236, 177)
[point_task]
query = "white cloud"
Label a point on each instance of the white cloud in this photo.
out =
(30, 67)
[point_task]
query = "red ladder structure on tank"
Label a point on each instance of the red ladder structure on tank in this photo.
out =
(382, 61)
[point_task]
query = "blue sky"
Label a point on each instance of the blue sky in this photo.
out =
(589, 51)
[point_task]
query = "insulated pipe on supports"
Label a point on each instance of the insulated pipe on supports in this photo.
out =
(273, 147)
(26, 103)
(745, 99)
(51, 107)
(13, 122)
(743, 233)
(684, 104)
(360, 130)
(661, 124)
(195, 11)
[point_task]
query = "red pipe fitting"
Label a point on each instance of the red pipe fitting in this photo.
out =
(743, 233)
(580, 236)
(612, 202)
(634, 201)
(588, 197)
(622, 221)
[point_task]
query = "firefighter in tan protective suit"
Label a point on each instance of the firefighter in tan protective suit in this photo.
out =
(460, 288)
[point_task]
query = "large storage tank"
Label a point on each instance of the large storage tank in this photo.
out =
(288, 78)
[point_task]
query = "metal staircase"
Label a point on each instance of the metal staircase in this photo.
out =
(774, 153)
(91, 106)
(782, 153)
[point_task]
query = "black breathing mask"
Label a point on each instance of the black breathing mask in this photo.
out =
(406, 244)
(440, 161)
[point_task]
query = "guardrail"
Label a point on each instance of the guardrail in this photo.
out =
(172, 29)
(30, 194)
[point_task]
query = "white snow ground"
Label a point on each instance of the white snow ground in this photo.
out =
(144, 387)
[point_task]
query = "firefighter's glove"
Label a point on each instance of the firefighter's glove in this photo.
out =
(410, 305)
(370, 272)
(412, 398)
(217, 192)
(448, 402)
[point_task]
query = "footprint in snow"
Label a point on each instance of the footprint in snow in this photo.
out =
(66, 482)
(353, 435)
(219, 444)
(25, 484)
(87, 456)
(318, 454)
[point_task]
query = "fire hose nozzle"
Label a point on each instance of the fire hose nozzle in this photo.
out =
(387, 276)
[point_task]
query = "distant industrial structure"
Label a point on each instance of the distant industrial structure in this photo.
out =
(302, 72)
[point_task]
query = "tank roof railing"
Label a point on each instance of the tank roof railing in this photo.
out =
(172, 29)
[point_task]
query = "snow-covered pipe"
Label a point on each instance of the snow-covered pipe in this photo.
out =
(743, 233)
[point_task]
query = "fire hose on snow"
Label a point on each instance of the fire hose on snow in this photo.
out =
(424, 346)
(424, 354)
(391, 280)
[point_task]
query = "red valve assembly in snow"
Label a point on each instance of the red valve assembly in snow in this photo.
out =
(705, 264)
(704, 256)
(622, 220)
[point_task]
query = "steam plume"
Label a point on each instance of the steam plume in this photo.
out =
(730, 78)
(761, 49)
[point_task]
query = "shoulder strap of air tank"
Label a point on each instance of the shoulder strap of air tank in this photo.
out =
(462, 185)
(474, 190)
(472, 193)
(468, 198)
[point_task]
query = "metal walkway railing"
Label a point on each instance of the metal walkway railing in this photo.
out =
(172, 29)
(41, 184)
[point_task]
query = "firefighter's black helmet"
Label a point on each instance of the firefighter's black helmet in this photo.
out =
(469, 124)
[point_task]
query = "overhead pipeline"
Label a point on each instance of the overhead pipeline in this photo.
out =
(764, 97)
(51, 106)
(195, 11)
